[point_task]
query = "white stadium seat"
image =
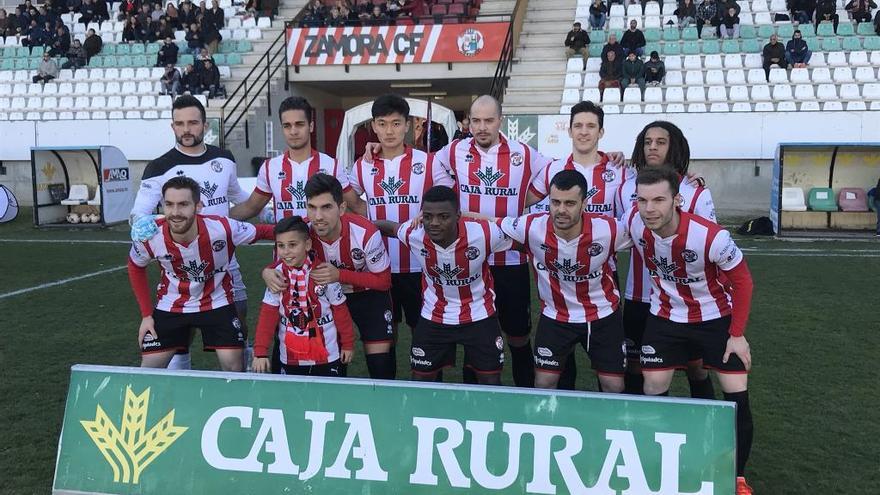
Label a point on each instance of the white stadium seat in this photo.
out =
(692, 62)
(611, 95)
(764, 106)
(34, 103)
(673, 78)
(675, 94)
(575, 65)
(112, 74)
(818, 60)
(849, 92)
(858, 59)
(871, 92)
(757, 76)
(673, 62)
(733, 61)
(65, 115)
(632, 108)
(632, 95)
(875, 58)
(653, 108)
(865, 74)
(130, 102)
(760, 92)
(570, 96)
(19, 89)
(98, 88)
(826, 92)
(611, 109)
(821, 75)
(592, 94)
(804, 92)
(565, 109)
(35, 90)
(717, 94)
(696, 94)
(753, 61)
(843, 75)
(856, 106)
(65, 103)
(50, 103)
(810, 106)
(782, 92)
(144, 88)
(112, 102)
(697, 108)
(675, 108)
(778, 76)
(116, 115)
(249, 23)
(713, 61)
(736, 76)
(653, 95)
(693, 78)
(714, 77)
(718, 107)
(101, 102)
(741, 106)
(832, 106)
(591, 79)
(800, 76)
(133, 114)
(128, 87)
(837, 59)
(573, 80)
(254, 34)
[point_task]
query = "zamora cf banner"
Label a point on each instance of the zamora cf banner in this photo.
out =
(132, 431)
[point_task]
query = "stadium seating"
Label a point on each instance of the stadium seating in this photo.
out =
(852, 199)
(822, 199)
(793, 199)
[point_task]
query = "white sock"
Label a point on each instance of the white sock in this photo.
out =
(181, 362)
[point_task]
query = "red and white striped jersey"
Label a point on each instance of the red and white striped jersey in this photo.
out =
(686, 268)
(394, 190)
(325, 296)
(494, 182)
(456, 282)
(360, 248)
(194, 277)
(696, 200)
(575, 279)
(284, 180)
(603, 181)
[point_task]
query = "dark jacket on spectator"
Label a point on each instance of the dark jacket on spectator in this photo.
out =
(632, 39)
(215, 17)
(618, 51)
(656, 70)
(634, 69)
(729, 21)
(92, 45)
(796, 48)
(577, 39)
(167, 55)
(602, 9)
(772, 51)
(609, 70)
(194, 39)
(77, 55)
(209, 77)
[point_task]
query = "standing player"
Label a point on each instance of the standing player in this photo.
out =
(691, 307)
(194, 252)
(660, 144)
(571, 252)
(310, 318)
(213, 169)
(459, 300)
(351, 252)
(394, 183)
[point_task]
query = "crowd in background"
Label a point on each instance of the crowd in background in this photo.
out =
(361, 12)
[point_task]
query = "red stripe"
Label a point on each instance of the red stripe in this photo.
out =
(465, 294)
(391, 56)
(472, 179)
(230, 255)
(599, 184)
(665, 306)
(488, 282)
(609, 281)
(299, 46)
(420, 51)
(345, 243)
(684, 290)
(177, 260)
(404, 211)
(551, 255)
(207, 255)
(713, 276)
(431, 261)
(582, 289)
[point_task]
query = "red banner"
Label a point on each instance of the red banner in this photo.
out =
(422, 44)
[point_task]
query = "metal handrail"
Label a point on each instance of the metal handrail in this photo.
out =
(499, 81)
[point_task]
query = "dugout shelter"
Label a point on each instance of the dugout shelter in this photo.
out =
(821, 189)
(76, 180)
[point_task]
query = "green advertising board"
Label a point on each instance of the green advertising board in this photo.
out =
(133, 431)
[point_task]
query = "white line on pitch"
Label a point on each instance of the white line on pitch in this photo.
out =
(60, 282)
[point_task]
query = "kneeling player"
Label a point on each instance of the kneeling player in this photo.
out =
(194, 252)
(458, 306)
(691, 308)
(308, 317)
(570, 251)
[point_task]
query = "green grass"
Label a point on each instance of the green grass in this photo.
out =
(813, 330)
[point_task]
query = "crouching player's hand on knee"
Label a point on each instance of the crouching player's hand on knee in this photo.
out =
(261, 365)
(740, 347)
(147, 327)
(346, 356)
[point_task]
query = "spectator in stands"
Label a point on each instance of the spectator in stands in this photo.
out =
(156, 14)
(377, 17)
(826, 10)
(171, 15)
(130, 31)
(210, 36)
(335, 19)
(686, 13)
(730, 24)
(633, 72)
(350, 16)
(598, 14)
(655, 70)
(613, 46)
(364, 9)
(144, 32)
(801, 10)
(797, 53)
(392, 9)
(186, 16)
(167, 53)
(194, 39)
(92, 44)
(313, 14)
(269, 8)
(609, 72)
(215, 16)
(9, 25)
(633, 39)
(774, 53)
(102, 13)
(144, 16)
(209, 80)
(60, 43)
(577, 41)
(127, 8)
(464, 130)
(860, 10)
(163, 30)
(87, 12)
(33, 35)
(76, 57)
(4, 24)
(189, 80)
(170, 81)
(201, 58)
(47, 70)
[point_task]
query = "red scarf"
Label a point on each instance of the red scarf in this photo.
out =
(303, 339)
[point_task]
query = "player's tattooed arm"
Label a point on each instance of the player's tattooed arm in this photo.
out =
(387, 227)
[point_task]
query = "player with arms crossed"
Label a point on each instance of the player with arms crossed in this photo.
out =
(394, 183)
(194, 252)
(691, 307)
(659, 144)
(571, 252)
(459, 301)
(213, 169)
(311, 319)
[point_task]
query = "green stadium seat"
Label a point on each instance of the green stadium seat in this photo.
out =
(852, 44)
(108, 49)
(689, 33)
(765, 31)
(123, 61)
(752, 46)
(872, 43)
(653, 47)
(184, 59)
(123, 49)
(711, 47)
(865, 29)
(235, 58)
(22, 64)
(651, 34)
(219, 59)
(730, 46)
(245, 46)
(9, 52)
(137, 49)
(822, 199)
(7, 64)
(785, 32)
(825, 29)
(690, 48)
(228, 46)
(845, 29)
(708, 34)
(670, 34)
(37, 51)
(808, 30)
(181, 46)
(140, 61)
(671, 49)
(153, 48)
(23, 52)
(595, 51)
(748, 32)
(596, 36)
(831, 45)
(109, 61)
(34, 63)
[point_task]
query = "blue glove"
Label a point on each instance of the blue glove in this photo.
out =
(144, 228)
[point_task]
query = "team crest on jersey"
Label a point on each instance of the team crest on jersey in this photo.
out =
(664, 265)
(472, 253)
(418, 168)
(488, 176)
(320, 289)
(391, 184)
(216, 166)
(208, 189)
(516, 159)
(297, 191)
(357, 254)
(218, 245)
(689, 255)
(448, 271)
(194, 269)
(609, 176)
(595, 249)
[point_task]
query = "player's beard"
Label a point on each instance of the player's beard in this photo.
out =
(181, 228)
(197, 139)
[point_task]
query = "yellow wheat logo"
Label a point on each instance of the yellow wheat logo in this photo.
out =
(129, 450)
(48, 170)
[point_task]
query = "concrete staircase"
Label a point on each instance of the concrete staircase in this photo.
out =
(537, 74)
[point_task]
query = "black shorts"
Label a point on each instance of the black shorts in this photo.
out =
(513, 299)
(433, 346)
(406, 297)
(221, 329)
(635, 314)
(669, 345)
(602, 339)
(371, 312)
(327, 369)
